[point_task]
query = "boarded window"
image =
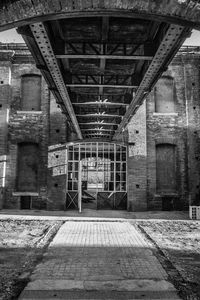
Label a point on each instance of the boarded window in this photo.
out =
(165, 168)
(27, 171)
(164, 95)
(31, 92)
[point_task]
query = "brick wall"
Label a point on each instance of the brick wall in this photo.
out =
(168, 128)
(49, 129)
(26, 126)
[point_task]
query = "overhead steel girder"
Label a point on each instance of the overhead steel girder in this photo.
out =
(104, 49)
(43, 43)
(97, 129)
(100, 115)
(99, 103)
(77, 85)
(171, 41)
(99, 124)
(96, 56)
(98, 134)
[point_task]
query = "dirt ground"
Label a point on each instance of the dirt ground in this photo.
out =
(179, 241)
(21, 246)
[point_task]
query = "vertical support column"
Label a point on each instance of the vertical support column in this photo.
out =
(80, 187)
(5, 78)
(191, 83)
(137, 161)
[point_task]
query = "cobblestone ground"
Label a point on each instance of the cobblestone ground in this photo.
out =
(99, 260)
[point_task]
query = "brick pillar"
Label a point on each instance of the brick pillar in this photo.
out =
(56, 158)
(191, 82)
(137, 160)
(4, 115)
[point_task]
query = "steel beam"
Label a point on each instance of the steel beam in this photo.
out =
(105, 49)
(99, 115)
(99, 123)
(75, 85)
(99, 103)
(43, 43)
(169, 45)
(97, 134)
(101, 56)
(98, 129)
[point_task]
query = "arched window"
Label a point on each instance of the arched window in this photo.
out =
(31, 92)
(166, 168)
(27, 167)
(164, 95)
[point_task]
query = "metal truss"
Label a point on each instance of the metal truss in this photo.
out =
(99, 123)
(115, 81)
(161, 59)
(102, 98)
(100, 115)
(98, 129)
(100, 103)
(103, 50)
(41, 37)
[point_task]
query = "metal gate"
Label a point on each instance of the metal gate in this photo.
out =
(98, 166)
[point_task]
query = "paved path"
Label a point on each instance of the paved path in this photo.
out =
(99, 260)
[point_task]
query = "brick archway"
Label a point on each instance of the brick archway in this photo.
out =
(14, 13)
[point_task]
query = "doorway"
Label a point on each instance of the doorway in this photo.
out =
(96, 176)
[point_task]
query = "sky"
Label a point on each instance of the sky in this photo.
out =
(11, 36)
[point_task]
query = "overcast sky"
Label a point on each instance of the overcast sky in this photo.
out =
(11, 36)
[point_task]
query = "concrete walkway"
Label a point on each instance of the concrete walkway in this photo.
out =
(99, 260)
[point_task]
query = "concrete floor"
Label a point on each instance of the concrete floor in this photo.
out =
(99, 260)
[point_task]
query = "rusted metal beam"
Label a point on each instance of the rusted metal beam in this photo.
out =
(101, 56)
(98, 123)
(111, 79)
(74, 85)
(99, 115)
(97, 134)
(172, 40)
(103, 48)
(99, 103)
(43, 43)
(98, 129)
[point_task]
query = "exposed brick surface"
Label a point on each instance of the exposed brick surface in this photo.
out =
(20, 12)
(137, 158)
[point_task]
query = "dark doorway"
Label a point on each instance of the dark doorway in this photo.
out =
(25, 202)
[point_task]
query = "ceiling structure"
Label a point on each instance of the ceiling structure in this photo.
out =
(100, 69)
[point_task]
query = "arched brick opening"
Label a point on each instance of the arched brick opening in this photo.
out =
(14, 13)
